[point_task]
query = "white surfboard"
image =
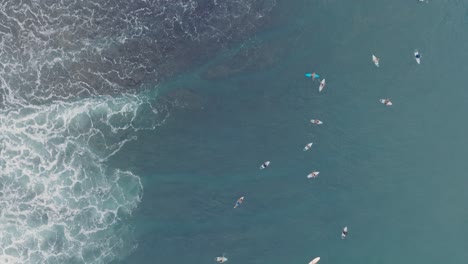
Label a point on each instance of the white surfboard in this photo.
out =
(344, 233)
(221, 259)
(313, 174)
(322, 85)
(308, 146)
(315, 260)
(375, 60)
(416, 53)
(316, 121)
(239, 202)
(264, 165)
(386, 102)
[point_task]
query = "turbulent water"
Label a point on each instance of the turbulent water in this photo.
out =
(72, 81)
(64, 49)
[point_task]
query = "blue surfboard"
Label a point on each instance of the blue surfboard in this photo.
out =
(309, 75)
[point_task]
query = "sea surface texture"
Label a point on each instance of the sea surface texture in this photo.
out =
(77, 82)
(128, 130)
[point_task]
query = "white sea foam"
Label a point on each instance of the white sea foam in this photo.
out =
(58, 201)
(72, 49)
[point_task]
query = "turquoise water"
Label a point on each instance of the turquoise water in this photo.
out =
(394, 175)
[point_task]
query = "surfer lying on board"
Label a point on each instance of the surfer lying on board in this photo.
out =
(264, 165)
(239, 202)
(344, 233)
(316, 121)
(312, 75)
(221, 259)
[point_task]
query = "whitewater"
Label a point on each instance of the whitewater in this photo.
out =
(77, 82)
(59, 201)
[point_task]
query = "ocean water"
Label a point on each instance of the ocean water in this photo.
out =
(77, 83)
(136, 151)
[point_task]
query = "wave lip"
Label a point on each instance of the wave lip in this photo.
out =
(59, 202)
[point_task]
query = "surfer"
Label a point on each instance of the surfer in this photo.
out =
(316, 121)
(239, 202)
(322, 85)
(312, 75)
(386, 102)
(221, 259)
(264, 165)
(417, 56)
(313, 174)
(344, 233)
(375, 60)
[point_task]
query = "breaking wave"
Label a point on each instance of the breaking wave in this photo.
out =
(74, 77)
(59, 202)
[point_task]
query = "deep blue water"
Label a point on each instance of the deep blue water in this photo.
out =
(393, 175)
